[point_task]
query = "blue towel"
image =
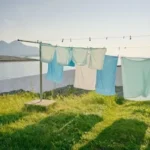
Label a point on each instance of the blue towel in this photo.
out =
(55, 70)
(105, 79)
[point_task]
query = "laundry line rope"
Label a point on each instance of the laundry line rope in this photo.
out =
(130, 37)
(117, 47)
(40, 64)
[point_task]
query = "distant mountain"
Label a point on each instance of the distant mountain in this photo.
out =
(16, 48)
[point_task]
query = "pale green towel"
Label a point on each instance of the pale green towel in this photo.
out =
(47, 52)
(136, 77)
(97, 56)
(79, 56)
(64, 55)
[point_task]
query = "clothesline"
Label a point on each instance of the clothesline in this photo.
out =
(130, 37)
(129, 47)
(97, 71)
(60, 67)
(118, 47)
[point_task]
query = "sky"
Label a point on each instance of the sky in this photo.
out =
(53, 20)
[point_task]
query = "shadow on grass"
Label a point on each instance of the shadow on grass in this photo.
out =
(13, 92)
(20, 92)
(36, 108)
(148, 147)
(65, 91)
(55, 132)
(120, 100)
(124, 134)
(9, 118)
(119, 91)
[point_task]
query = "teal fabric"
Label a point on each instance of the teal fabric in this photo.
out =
(71, 64)
(55, 70)
(105, 79)
(136, 77)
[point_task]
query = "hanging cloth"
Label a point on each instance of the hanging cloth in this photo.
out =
(47, 52)
(55, 71)
(96, 59)
(85, 78)
(105, 79)
(79, 56)
(136, 77)
(97, 56)
(64, 55)
(71, 64)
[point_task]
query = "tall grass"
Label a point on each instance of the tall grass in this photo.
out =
(78, 120)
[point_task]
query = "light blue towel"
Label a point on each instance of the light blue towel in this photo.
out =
(105, 79)
(136, 77)
(55, 71)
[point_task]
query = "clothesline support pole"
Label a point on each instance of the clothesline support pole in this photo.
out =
(41, 86)
(41, 83)
(40, 102)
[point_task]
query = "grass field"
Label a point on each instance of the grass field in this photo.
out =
(78, 120)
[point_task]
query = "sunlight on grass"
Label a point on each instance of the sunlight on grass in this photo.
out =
(78, 120)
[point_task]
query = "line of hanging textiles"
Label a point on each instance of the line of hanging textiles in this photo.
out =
(94, 70)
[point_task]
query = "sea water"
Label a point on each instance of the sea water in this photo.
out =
(9, 70)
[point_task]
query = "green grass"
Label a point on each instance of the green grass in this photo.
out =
(78, 120)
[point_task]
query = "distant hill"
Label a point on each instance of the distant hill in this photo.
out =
(16, 48)
(14, 59)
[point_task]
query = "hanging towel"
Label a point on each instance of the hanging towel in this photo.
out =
(47, 52)
(55, 70)
(79, 56)
(85, 78)
(71, 64)
(136, 77)
(105, 79)
(64, 55)
(97, 56)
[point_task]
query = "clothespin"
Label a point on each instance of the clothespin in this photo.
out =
(130, 37)
(118, 51)
(106, 38)
(89, 38)
(62, 40)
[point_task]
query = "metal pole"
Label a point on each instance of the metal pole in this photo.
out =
(29, 41)
(41, 90)
(35, 42)
(41, 84)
